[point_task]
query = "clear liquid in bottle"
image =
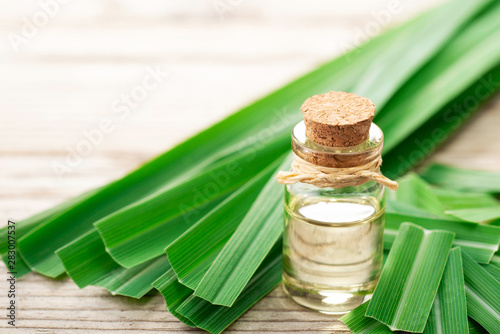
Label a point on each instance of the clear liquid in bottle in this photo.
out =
(333, 251)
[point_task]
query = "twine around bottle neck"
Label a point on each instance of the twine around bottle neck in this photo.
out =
(323, 177)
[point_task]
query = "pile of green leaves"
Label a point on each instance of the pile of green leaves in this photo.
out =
(211, 204)
(440, 276)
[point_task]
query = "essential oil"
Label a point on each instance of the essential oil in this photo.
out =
(334, 205)
(332, 254)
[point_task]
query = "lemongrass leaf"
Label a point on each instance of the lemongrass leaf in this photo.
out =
(462, 179)
(147, 226)
(192, 254)
(448, 314)
(397, 207)
(24, 227)
(174, 294)
(493, 270)
(154, 237)
(247, 248)
(495, 259)
(483, 294)
(449, 311)
(359, 324)
(410, 278)
(445, 120)
(480, 241)
(476, 214)
(136, 281)
(85, 259)
(424, 140)
(462, 63)
(87, 263)
(414, 191)
(68, 225)
(215, 318)
(409, 54)
(454, 199)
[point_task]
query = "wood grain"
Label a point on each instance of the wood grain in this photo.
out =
(64, 80)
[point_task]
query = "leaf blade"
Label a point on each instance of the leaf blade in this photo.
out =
(483, 294)
(449, 311)
(414, 191)
(414, 55)
(458, 66)
(448, 314)
(215, 318)
(174, 294)
(87, 263)
(247, 247)
(480, 241)
(192, 254)
(405, 293)
(470, 180)
(476, 215)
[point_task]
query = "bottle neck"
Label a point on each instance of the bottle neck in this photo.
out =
(337, 157)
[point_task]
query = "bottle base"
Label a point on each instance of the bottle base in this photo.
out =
(329, 300)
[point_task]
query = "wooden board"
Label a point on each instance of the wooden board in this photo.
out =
(65, 79)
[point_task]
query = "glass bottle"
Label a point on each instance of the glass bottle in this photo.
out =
(333, 237)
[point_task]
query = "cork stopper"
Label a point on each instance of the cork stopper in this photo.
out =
(338, 119)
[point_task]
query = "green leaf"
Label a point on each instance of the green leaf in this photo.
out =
(147, 225)
(483, 294)
(215, 318)
(397, 207)
(455, 199)
(174, 293)
(424, 140)
(476, 214)
(136, 281)
(87, 263)
(495, 259)
(414, 191)
(410, 278)
(25, 226)
(192, 254)
(247, 247)
(68, 225)
(462, 179)
(448, 314)
(449, 311)
(480, 241)
(493, 270)
(458, 66)
(409, 54)
(86, 260)
(359, 324)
